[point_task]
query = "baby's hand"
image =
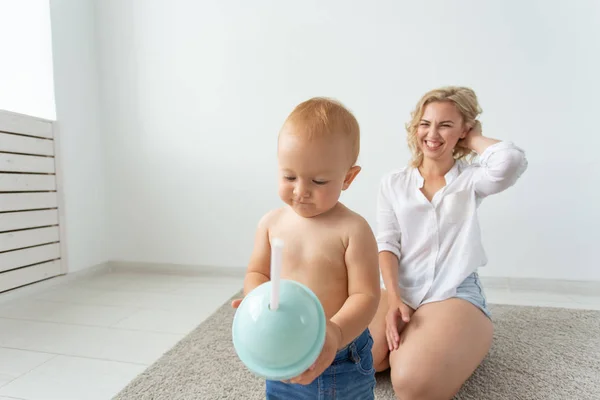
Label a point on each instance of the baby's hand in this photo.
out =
(330, 347)
(236, 303)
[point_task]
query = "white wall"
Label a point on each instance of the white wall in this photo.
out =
(194, 93)
(82, 147)
(26, 85)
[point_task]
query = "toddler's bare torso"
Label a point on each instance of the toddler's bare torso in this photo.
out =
(314, 252)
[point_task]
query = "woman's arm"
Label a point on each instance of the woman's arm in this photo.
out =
(388, 240)
(501, 163)
(388, 264)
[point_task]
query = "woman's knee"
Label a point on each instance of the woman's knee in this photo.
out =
(410, 384)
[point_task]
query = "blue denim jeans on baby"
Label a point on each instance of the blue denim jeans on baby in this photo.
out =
(351, 376)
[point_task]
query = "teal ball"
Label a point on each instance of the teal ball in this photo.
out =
(283, 343)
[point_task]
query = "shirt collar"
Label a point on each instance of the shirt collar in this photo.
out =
(449, 177)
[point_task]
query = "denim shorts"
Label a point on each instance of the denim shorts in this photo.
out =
(471, 290)
(351, 376)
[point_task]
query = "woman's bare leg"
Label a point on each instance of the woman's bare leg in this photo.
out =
(440, 348)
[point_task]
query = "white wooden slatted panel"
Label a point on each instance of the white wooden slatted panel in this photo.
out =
(27, 219)
(35, 255)
(24, 276)
(25, 125)
(28, 252)
(26, 145)
(27, 201)
(26, 183)
(32, 237)
(20, 163)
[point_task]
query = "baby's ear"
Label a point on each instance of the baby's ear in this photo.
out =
(350, 175)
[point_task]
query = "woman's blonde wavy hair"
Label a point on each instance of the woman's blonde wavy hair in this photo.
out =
(467, 105)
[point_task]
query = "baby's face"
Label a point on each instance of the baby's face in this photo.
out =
(312, 173)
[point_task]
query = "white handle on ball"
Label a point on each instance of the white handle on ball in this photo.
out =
(276, 255)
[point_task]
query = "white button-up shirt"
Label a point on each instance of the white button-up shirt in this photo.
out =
(438, 243)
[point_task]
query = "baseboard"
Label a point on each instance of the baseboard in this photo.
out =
(507, 283)
(36, 287)
(587, 288)
(180, 269)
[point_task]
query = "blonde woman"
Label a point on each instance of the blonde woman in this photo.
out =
(433, 327)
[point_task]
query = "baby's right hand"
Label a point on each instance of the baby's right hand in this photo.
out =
(236, 303)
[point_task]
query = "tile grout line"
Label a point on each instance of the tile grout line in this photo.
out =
(140, 307)
(68, 302)
(568, 298)
(28, 371)
(86, 326)
(77, 356)
(113, 325)
(150, 292)
(122, 287)
(78, 303)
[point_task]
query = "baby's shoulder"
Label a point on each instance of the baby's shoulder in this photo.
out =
(354, 223)
(271, 217)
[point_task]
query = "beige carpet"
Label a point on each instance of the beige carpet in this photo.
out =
(538, 353)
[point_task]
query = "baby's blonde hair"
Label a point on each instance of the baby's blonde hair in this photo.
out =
(467, 105)
(320, 116)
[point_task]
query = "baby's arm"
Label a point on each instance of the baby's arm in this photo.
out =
(363, 284)
(259, 270)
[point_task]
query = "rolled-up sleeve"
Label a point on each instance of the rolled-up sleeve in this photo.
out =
(388, 229)
(500, 166)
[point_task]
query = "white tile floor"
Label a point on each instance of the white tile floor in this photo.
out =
(85, 339)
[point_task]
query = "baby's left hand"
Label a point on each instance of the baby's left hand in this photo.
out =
(330, 347)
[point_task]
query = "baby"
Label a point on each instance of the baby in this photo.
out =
(328, 248)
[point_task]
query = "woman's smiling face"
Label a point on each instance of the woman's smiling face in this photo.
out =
(440, 129)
